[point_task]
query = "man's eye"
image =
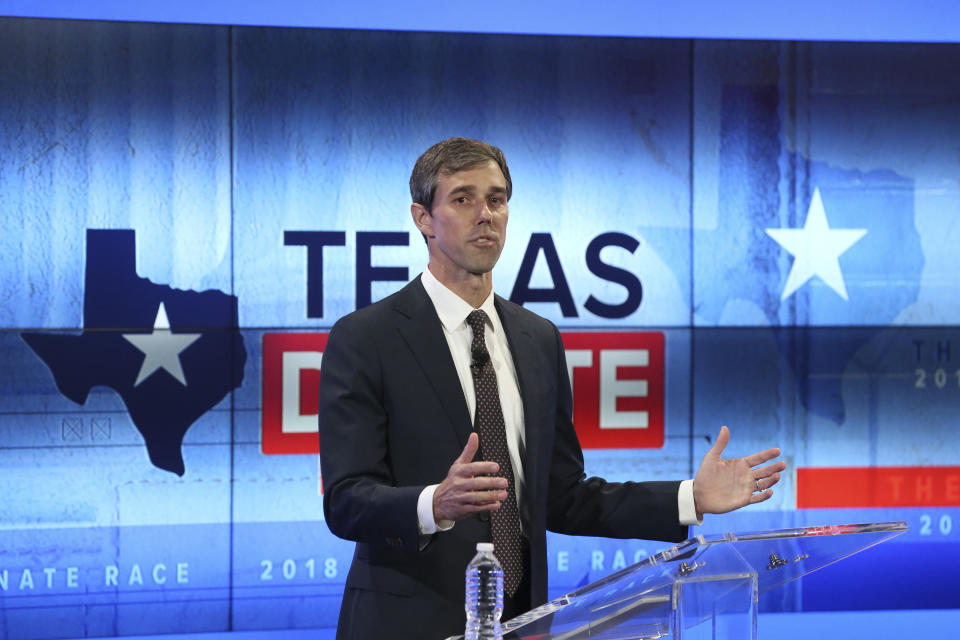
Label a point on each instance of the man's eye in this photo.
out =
(462, 200)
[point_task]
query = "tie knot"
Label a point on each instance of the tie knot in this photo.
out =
(478, 347)
(477, 320)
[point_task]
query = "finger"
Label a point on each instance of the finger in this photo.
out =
(483, 483)
(467, 509)
(470, 450)
(720, 443)
(485, 497)
(762, 456)
(765, 483)
(472, 469)
(760, 497)
(463, 483)
(769, 470)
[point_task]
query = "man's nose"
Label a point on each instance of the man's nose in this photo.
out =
(484, 214)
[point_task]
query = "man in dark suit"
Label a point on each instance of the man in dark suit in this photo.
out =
(402, 384)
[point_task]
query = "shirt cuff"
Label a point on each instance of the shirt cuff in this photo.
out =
(425, 522)
(685, 504)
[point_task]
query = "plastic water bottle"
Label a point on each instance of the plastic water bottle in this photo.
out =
(484, 601)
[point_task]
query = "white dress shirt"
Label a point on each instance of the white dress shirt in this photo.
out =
(453, 311)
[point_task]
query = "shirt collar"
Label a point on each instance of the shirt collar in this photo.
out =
(451, 308)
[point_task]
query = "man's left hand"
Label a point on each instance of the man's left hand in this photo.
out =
(724, 485)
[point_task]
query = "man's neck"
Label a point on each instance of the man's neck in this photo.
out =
(474, 288)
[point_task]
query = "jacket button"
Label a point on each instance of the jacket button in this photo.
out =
(485, 516)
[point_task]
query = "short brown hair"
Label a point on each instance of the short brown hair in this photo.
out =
(450, 156)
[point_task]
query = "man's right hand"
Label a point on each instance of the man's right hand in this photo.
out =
(470, 487)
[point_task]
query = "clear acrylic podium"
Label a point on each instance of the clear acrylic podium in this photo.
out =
(708, 578)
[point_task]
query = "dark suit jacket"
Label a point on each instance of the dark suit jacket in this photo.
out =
(393, 419)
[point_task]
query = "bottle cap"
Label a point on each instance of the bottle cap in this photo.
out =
(485, 546)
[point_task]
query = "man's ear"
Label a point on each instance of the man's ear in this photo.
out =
(422, 218)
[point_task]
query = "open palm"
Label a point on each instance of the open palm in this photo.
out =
(724, 485)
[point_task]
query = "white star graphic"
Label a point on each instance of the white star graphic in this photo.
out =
(816, 249)
(161, 349)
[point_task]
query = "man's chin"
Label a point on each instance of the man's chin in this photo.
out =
(482, 268)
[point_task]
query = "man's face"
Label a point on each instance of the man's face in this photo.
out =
(468, 225)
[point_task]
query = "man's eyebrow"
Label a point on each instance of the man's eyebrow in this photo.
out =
(465, 188)
(469, 189)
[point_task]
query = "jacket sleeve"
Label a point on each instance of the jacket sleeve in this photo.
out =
(578, 505)
(361, 499)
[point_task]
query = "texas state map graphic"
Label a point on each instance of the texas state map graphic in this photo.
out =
(170, 354)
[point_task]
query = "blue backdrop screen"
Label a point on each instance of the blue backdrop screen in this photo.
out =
(188, 210)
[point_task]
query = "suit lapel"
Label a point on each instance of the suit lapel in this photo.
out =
(520, 337)
(419, 326)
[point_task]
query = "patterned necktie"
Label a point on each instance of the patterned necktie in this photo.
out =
(488, 421)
